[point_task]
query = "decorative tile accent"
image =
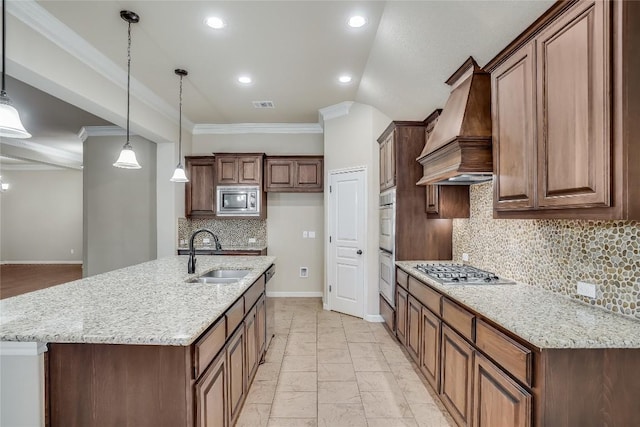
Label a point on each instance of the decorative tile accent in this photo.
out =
(231, 232)
(555, 254)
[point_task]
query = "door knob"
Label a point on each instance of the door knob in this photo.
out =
(359, 252)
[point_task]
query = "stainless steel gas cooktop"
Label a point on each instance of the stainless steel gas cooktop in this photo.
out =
(457, 274)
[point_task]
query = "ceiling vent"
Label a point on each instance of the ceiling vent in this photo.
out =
(263, 104)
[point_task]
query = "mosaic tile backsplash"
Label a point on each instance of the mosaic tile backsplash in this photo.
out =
(231, 232)
(555, 254)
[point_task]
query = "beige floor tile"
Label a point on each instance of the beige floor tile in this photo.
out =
(338, 392)
(268, 371)
(353, 327)
(254, 415)
(377, 381)
(428, 415)
(406, 372)
(364, 349)
(302, 337)
(371, 364)
(295, 404)
(341, 415)
(415, 391)
(333, 344)
(261, 392)
(329, 328)
(336, 372)
(298, 381)
(274, 356)
(359, 336)
(384, 404)
(299, 364)
(293, 422)
(391, 422)
(333, 355)
(296, 348)
(337, 334)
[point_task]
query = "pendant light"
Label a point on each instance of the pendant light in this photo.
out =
(10, 124)
(127, 159)
(178, 174)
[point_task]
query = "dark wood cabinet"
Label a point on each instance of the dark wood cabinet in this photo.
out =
(211, 395)
(295, 174)
(242, 169)
(236, 374)
(387, 162)
(252, 346)
(200, 200)
(497, 399)
(431, 328)
(564, 111)
(414, 312)
(401, 314)
(457, 375)
(261, 326)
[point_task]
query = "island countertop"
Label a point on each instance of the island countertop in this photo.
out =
(543, 318)
(145, 304)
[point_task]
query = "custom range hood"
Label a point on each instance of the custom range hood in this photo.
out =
(458, 151)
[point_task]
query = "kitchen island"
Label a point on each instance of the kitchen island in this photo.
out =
(141, 346)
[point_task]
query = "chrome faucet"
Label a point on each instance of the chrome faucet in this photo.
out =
(191, 265)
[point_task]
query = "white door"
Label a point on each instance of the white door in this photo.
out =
(347, 216)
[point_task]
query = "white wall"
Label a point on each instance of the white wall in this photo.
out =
(41, 216)
(351, 141)
(288, 214)
(119, 205)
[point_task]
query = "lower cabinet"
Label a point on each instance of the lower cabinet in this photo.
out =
(497, 399)
(261, 326)
(236, 374)
(431, 328)
(251, 338)
(211, 395)
(401, 314)
(414, 312)
(457, 376)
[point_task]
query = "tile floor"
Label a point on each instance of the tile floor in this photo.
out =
(328, 369)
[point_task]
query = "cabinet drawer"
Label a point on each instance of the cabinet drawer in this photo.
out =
(458, 318)
(209, 345)
(387, 313)
(401, 278)
(234, 316)
(513, 357)
(253, 293)
(427, 296)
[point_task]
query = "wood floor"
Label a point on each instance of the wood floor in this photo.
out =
(16, 279)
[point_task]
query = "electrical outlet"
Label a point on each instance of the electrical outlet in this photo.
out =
(305, 234)
(252, 239)
(183, 242)
(206, 241)
(304, 272)
(73, 251)
(465, 257)
(587, 289)
(312, 234)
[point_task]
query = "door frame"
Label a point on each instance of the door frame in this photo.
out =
(330, 264)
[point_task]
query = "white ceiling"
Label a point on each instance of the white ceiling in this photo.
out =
(294, 51)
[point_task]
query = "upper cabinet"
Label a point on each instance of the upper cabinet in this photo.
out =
(200, 190)
(565, 108)
(387, 162)
(294, 174)
(245, 169)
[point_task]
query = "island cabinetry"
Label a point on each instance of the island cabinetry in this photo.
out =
(244, 169)
(294, 174)
(236, 374)
(211, 395)
(200, 200)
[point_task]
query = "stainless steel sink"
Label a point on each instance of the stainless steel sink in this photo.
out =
(220, 276)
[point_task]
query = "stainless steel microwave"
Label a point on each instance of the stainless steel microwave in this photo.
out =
(238, 200)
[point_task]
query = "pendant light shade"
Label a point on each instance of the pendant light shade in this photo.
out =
(127, 159)
(10, 124)
(178, 174)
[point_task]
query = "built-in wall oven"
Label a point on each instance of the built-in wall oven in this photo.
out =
(386, 257)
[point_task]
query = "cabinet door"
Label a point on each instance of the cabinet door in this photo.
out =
(457, 376)
(227, 169)
(430, 328)
(390, 158)
(199, 191)
(251, 344)
(236, 375)
(261, 326)
(401, 314)
(383, 165)
(414, 312)
(573, 70)
(309, 174)
(280, 174)
(432, 204)
(250, 170)
(211, 395)
(497, 399)
(514, 131)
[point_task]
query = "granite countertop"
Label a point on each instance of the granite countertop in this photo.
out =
(148, 303)
(543, 318)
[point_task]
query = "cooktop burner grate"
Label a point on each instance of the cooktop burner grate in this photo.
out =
(457, 274)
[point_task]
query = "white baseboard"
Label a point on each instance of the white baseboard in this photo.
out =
(276, 294)
(376, 318)
(41, 262)
(325, 306)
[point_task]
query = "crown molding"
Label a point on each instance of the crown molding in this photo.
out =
(336, 110)
(34, 167)
(239, 128)
(40, 20)
(103, 131)
(42, 148)
(82, 134)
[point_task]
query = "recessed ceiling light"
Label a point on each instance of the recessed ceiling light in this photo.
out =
(215, 22)
(357, 21)
(244, 80)
(344, 79)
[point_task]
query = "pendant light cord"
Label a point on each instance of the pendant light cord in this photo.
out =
(180, 127)
(4, 43)
(128, 78)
